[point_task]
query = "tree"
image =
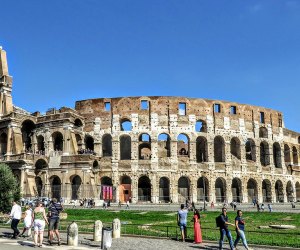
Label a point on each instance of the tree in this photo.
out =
(9, 188)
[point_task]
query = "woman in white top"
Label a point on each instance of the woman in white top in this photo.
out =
(27, 219)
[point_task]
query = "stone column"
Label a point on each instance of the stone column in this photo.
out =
(212, 189)
(116, 233)
(97, 230)
(72, 235)
(194, 189)
(228, 190)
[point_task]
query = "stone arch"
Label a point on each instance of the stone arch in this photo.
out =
(277, 155)
(219, 149)
(236, 189)
(287, 154)
(264, 154)
(144, 189)
(279, 191)
(202, 189)
(297, 187)
(125, 124)
(144, 147)
(106, 188)
(105, 180)
(201, 149)
(164, 189)
(125, 147)
(250, 150)
(39, 185)
(55, 183)
(201, 126)
(96, 164)
(76, 183)
(3, 143)
(125, 188)
(290, 191)
(27, 129)
(89, 143)
(57, 138)
(79, 143)
(235, 147)
(263, 132)
(252, 190)
(220, 188)
(183, 189)
(78, 123)
(40, 144)
(40, 164)
(164, 145)
(295, 156)
(266, 190)
(107, 145)
(183, 145)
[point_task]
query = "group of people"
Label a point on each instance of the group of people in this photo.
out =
(37, 218)
(222, 223)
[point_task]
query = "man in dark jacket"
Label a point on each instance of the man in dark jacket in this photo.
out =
(54, 210)
(224, 230)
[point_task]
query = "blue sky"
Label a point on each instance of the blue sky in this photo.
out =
(60, 51)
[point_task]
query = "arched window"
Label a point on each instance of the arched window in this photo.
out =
(252, 190)
(107, 145)
(220, 188)
(202, 189)
(267, 191)
(164, 145)
(235, 148)
(89, 143)
(250, 150)
(55, 187)
(40, 144)
(201, 149)
(287, 154)
(57, 138)
(126, 125)
(144, 189)
(144, 147)
(76, 187)
(164, 189)
(183, 189)
(201, 126)
(27, 132)
(236, 188)
(125, 189)
(3, 143)
(264, 154)
(125, 147)
(279, 191)
(295, 156)
(263, 132)
(219, 149)
(78, 123)
(277, 155)
(183, 145)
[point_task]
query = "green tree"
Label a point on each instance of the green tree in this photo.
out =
(9, 188)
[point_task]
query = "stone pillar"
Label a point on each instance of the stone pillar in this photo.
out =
(97, 230)
(72, 235)
(154, 189)
(228, 190)
(116, 233)
(194, 190)
(212, 189)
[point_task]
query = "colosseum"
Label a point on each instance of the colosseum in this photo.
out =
(150, 149)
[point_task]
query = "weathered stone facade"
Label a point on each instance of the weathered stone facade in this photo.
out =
(150, 149)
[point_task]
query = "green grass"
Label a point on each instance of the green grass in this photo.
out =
(163, 224)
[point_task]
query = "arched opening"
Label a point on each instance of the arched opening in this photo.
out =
(96, 164)
(201, 126)
(202, 189)
(144, 147)
(295, 156)
(235, 148)
(290, 192)
(39, 185)
(183, 145)
(57, 138)
(79, 143)
(40, 144)
(236, 189)
(106, 189)
(220, 187)
(250, 150)
(219, 149)
(183, 189)
(252, 190)
(125, 189)
(125, 147)
(277, 155)
(40, 164)
(27, 130)
(164, 145)
(126, 125)
(266, 191)
(76, 187)
(144, 189)
(107, 145)
(55, 187)
(3, 143)
(89, 144)
(78, 123)
(297, 191)
(164, 189)
(287, 154)
(279, 191)
(299, 140)
(263, 132)
(264, 154)
(201, 149)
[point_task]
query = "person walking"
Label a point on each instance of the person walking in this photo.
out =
(197, 227)
(39, 220)
(182, 221)
(15, 215)
(55, 209)
(127, 204)
(27, 220)
(270, 207)
(224, 229)
(240, 230)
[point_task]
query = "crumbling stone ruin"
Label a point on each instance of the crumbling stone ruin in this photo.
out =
(150, 149)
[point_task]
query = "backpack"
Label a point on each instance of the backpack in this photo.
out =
(219, 221)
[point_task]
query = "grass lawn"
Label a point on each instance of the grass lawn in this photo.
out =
(159, 223)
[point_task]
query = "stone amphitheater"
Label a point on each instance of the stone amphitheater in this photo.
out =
(150, 149)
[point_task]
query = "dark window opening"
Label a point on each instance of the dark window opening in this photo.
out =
(262, 117)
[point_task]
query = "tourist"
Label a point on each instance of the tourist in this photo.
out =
(181, 221)
(240, 230)
(224, 229)
(27, 220)
(39, 219)
(262, 207)
(127, 204)
(55, 209)
(212, 205)
(257, 206)
(15, 215)
(270, 207)
(197, 227)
